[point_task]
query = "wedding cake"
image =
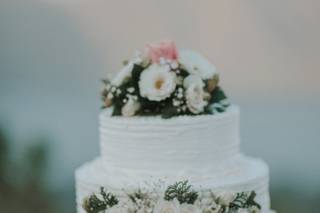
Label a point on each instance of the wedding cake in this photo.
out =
(169, 142)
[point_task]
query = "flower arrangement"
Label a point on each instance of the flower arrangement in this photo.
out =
(164, 81)
(177, 198)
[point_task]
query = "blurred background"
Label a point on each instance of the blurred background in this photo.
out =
(53, 54)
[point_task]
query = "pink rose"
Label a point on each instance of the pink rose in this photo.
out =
(163, 49)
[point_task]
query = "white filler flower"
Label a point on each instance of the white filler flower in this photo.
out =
(189, 208)
(123, 75)
(196, 64)
(242, 210)
(195, 95)
(225, 198)
(116, 209)
(164, 206)
(157, 82)
(130, 108)
(126, 71)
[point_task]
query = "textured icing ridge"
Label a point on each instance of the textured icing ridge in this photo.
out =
(184, 142)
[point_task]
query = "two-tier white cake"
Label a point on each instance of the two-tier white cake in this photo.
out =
(149, 142)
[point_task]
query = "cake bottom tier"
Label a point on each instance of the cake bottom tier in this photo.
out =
(251, 175)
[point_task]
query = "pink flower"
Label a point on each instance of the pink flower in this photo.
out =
(164, 49)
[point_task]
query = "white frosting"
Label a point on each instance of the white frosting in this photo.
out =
(180, 143)
(251, 175)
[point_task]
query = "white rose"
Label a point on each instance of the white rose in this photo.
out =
(130, 108)
(157, 82)
(196, 64)
(195, 94)
(189, 208)
(164, 206)
(226, 198)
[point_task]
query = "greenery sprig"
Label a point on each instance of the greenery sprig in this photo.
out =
(182, 191)
(244, 200)
(93, 204)
(135, 197)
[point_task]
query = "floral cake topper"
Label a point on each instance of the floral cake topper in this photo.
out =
(162, 80)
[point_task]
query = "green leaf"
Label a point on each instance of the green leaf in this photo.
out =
(106, 81)
(117, 110)
(251, 200)
(109, 198)
(137, 195)
(244, 200)
(169, 111)
(207, 110)
(104, 94)
(220, 109)
(183, 73)
(239, 201)
(182, 191)
(136, 72)
(93, 204)
(217, 95)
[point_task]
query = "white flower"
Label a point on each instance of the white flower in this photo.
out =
(226, 198)
(164, 206)
(138, 57)
(196, 64)
(193, 79)
(212, 209)
(189, 208)
(131, 107)
(116, 209)
(209, 205)
(144, 210)
(126, 71)
(123, 75)
(242, 210)
(195, 94)
(157, 82)
(206, 201)
(255, 209)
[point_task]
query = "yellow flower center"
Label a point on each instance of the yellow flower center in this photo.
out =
(159, 82)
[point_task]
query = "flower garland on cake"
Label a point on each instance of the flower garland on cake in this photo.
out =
(177, 198)
(164, 81)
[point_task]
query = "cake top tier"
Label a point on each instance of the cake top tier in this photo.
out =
(162, 80)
